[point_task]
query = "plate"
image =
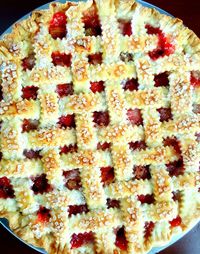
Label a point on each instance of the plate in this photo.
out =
(4, 222)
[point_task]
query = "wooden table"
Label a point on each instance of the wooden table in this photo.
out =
(189, 12)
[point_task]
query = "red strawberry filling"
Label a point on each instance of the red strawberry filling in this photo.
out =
(101, 118)
(161, 79)
(97, 87)
(113, 203)
(68, 149)
(146, 199)
(61, 59)
(135, 116)
(6, 189)
(29, 92)
(164, 48)
(195, 79)
(67, 121)
(107, 175)
(64, 89)
(95, 58)
(40, 184)
(175, 168)
(31, 154)
(165, 114)
(142, 172)
(131, 85)
(78, 240)
(125, 27)
(75, 209)
(91, 22)
(152, 30)
(29, 125)
(43, 214)
(173, 142)
(28, 62)
(148, 229)
(138, 145)
(73, 180)
(103, 146)
(176, 222)
(57, 26)
(121, 241)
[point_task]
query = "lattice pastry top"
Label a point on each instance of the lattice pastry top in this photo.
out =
(100, 130)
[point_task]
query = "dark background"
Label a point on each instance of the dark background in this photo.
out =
(189, 12)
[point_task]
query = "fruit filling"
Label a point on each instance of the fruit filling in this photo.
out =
(28, 62)
(195, 79)
(125, 27)
(72, 178)
(101, 118)
(126, 57)
(148, 229)
(164, 47)
(95, 59)
(68, 149)
(31, 154)
(121, 241)
(107, 175)
(131, 85)
(40, 184)
(67, 121)
(61, 59)
(176, 222)
(29, 92)
(76, 209)
(64, 89)
(141, 172)
(43, 214)
(146, 199)
(57, 26)
(175, 168)
(1, 93)
(176, 195)
(97, 87)
(165, 114)
(29, 125)
(153, 30)
(6, 189)
(138, 145)
(196, 108)
(113, 203)
(197, 137)
(79, 240)
(103, 146)
(161, 79)
(172, 141)
(135, 116)
(91, 22)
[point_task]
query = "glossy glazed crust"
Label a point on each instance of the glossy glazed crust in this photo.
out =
(32, 35)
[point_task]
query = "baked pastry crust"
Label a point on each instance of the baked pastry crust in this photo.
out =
(41, 216)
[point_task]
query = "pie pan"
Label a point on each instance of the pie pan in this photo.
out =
(4, 221)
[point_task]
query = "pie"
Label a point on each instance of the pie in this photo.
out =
(100, 128)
